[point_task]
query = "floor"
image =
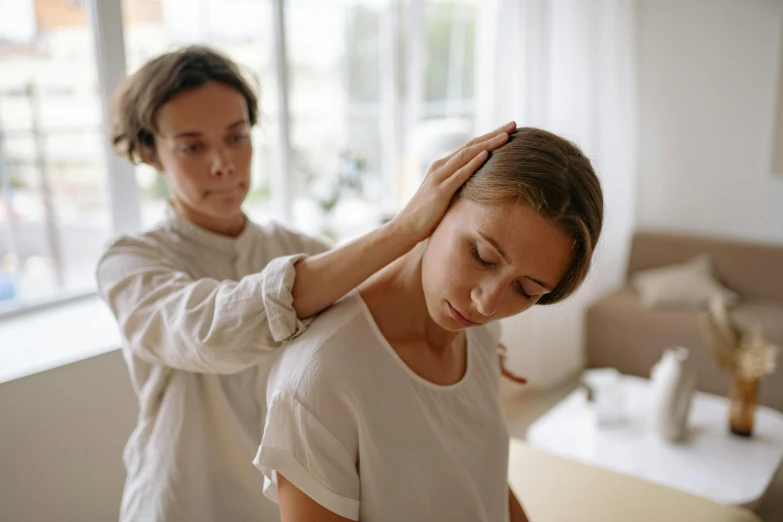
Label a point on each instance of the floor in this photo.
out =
(522, 409)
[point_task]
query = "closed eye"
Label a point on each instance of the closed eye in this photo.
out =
(487, 264)
(478, 257)
(521, 290)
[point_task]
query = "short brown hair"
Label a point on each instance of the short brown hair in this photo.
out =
(138, 99)
(557, 180)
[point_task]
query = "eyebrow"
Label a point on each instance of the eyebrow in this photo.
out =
(194, 134)
(505, 257)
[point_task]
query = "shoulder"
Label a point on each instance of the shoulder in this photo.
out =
(158, 244)
(292, 240)
(328, 357)
(131, 251)
(156, 240)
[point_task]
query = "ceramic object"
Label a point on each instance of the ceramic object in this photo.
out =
(673, 384)
(605, 393)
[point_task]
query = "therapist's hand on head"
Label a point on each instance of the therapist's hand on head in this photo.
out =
(424, 211)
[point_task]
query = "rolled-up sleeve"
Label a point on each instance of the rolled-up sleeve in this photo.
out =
(302, 448)
(200, 325)
(278, 285)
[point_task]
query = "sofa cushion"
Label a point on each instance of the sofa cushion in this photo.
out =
(748, 268)
(684, 285)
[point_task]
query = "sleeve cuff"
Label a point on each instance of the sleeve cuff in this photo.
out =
(276, 292)
(271, 461)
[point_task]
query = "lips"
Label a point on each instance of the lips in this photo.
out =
(224, 192)
(459, 318)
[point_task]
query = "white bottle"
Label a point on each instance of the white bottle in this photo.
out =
(673, 384)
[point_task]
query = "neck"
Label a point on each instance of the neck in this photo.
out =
(230, 226)
(395, 297)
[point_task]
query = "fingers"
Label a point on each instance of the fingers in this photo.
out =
(466, 154)
(508, 128)
(456, 180)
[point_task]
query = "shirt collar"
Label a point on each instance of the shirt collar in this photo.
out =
(178, 223)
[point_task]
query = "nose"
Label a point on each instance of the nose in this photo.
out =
(222, 163)
(486, 297)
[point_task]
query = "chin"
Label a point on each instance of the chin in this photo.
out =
(223, 207)
(441, 317)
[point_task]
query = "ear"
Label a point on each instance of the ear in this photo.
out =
(150, 157)
(148, 150)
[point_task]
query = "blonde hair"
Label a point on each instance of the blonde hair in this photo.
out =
(138, 99)
(552, 175)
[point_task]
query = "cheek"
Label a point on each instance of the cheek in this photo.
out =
(243, 158)
(446, 269)
(182, 174)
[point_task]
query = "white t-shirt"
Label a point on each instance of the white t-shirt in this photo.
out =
(354, 428)
(200, 315)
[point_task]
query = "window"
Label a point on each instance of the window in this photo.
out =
(441, 75)
(53, 207)
(375, 91)
(449, 28)
(335, 113)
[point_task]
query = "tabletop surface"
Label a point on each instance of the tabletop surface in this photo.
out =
(710, 462)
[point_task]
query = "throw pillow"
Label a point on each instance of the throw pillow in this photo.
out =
(687, 285)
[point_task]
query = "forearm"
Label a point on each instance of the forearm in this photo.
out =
(517, 514)
(324, 278)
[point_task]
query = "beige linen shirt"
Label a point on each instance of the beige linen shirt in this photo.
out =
(200, 316)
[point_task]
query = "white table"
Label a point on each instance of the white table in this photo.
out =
(711, 462)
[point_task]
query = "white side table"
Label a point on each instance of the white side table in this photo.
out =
(711, 462)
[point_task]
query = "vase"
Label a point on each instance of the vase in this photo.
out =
(673, 383)
(742, 411)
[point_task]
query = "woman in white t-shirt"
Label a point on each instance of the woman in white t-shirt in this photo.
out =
(387, 408)
(204, 298)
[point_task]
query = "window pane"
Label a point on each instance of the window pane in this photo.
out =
(441, 87)
(242, 29)
(54, 218)
(335, 108)
(449, 36)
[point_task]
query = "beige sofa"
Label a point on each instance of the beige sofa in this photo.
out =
(553, 489)
(623, 334)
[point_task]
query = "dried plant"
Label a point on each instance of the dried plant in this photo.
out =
(756, 356)
(747, 353)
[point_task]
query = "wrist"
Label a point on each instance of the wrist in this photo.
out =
(397, 233)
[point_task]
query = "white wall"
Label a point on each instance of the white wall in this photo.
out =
(708, 74)
(62, 433)
(567, 66)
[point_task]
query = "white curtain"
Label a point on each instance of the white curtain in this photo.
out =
(567, 66)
